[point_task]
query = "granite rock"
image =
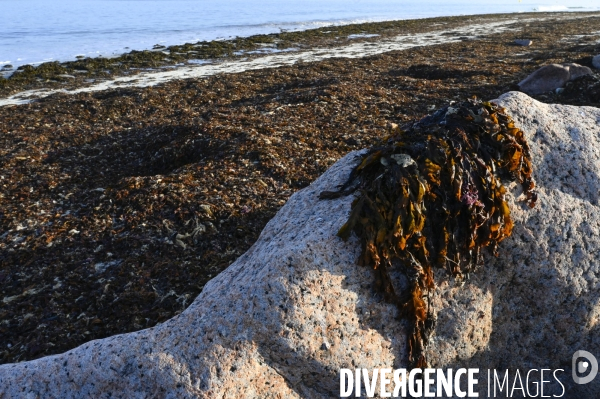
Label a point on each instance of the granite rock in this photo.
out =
(287, 315)
(545, 284)
(279, 322)
(551, 77)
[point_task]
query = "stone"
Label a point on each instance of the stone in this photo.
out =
(523, 42)
(279, 322)
(289, 313)
(545, 284)
(576, 70)
(596, 61)
(551, 77)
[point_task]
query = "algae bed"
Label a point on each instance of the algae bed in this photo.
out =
(82, 71)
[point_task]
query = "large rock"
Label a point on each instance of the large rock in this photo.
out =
(287, 315)
(545, 285)
(551, 77)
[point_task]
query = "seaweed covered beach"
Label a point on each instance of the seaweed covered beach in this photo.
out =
(118, 205)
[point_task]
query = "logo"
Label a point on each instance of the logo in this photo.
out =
(581, 367)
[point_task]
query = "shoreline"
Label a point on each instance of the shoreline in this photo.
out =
(118, 206)
(202, 59)
(47, 52)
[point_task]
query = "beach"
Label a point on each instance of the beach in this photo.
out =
(35, 31)
(125, 190)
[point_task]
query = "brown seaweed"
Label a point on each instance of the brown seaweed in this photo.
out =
(430, 196)
(161, 151)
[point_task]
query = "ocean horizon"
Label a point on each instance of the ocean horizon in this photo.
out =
(37, 31)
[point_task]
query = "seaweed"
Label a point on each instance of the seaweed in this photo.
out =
(85, 69)
(430, 196)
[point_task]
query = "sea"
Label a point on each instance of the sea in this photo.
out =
(36, 31)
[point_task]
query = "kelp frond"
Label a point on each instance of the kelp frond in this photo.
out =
(430, 196)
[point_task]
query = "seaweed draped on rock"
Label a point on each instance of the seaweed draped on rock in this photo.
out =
(430, 196)
(287, 315)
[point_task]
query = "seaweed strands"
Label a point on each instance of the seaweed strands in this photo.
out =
(430, 196)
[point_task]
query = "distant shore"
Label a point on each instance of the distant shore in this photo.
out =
(150, 67)
(118, 205)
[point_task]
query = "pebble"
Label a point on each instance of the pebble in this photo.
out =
(596, 61)
(523, 42)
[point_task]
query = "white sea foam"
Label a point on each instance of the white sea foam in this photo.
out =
(553, 8)
(361, 35)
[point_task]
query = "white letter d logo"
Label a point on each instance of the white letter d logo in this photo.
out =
(583, 365)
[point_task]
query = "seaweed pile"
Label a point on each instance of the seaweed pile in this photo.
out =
(78, 263)
(430, 196)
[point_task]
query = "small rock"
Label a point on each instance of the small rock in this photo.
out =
(403, 160)
(596, 61)
(66, 76)
(523, 42)
(551, 77)
(576, 70)
(547, 78)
